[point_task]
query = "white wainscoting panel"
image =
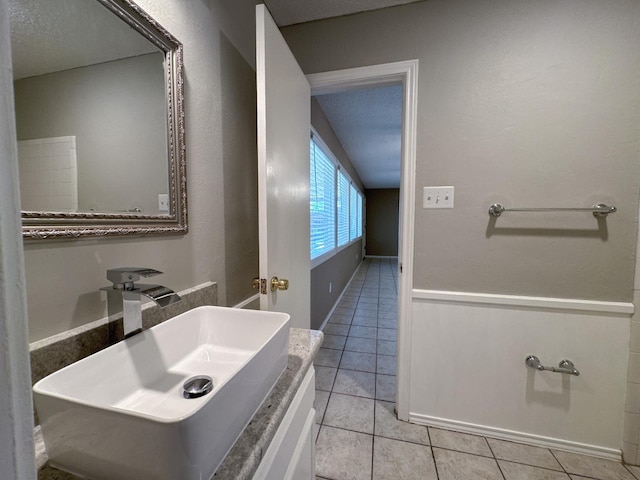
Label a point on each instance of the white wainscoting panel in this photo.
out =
(468, 369)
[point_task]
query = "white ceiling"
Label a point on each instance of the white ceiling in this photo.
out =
(289, 12)
(368, 123)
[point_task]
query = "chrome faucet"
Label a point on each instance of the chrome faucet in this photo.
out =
(123, 280)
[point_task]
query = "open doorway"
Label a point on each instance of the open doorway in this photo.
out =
(402, 75)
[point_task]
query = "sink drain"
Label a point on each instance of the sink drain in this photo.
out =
(197, 386)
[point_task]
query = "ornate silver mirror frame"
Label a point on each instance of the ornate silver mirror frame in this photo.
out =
(51, 225)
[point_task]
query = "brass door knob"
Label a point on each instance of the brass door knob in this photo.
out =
(279, 284)
(255, 283)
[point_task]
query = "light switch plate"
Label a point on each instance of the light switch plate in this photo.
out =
(163, 202)
(437, 197)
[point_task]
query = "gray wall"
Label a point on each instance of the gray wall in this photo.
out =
(339, 268)
(523, 103)
(63, 277)
(117, 112)
(382, 221)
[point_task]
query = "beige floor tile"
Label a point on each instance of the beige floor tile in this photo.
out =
(517, 471)
(386, 365)
(396, 460)
(325, 377)
(364, 362)
(385, 347)
(340, 319)
(348, 302)
(364, 345)
(340, 310)
(343, 455)
(388, 425)
(368, 299)
(336, 329)
(387, 323)
(363, 332)
(386, 387)
(320, 404)
(366, 309)
(463, 466)
(387, 334)
(592, 467)
(350, 382)
(366, 321)
(388, 293)
(461, 442)
(635, 470)
(336, 342)
(328, 357)
(350, 413)
(388, 307)
(527, 454)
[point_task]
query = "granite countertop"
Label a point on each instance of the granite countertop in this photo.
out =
(245, 456)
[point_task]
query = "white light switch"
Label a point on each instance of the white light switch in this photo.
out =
(437, 197)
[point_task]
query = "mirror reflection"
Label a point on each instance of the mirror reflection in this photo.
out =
(91, 114)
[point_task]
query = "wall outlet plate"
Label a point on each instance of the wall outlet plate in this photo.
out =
(163, 202)
(437, 197)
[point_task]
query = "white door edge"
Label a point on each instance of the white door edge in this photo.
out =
(405, 72)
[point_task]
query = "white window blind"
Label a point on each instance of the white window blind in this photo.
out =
(343, 209)
(322, 202)
(335, 204)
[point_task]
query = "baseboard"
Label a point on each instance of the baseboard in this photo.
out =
(326, 319)
(519, 437)
(247, 301)
(388, 257)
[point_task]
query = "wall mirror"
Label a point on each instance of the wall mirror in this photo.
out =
(99, 120)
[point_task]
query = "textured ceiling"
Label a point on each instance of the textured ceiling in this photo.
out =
(368, 123)
(289, 12)
(53, 35)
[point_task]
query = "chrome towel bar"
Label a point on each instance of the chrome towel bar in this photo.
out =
(599, 210)
(565, 366)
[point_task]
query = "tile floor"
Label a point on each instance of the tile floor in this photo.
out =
(359, 437)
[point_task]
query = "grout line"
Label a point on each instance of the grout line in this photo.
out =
(559, 462)
(494, 458)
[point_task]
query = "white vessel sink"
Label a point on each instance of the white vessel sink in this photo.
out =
(122, 413)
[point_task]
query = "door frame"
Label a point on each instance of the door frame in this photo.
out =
(405, 73)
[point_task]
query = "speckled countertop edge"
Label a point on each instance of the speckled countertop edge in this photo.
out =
(245, 456)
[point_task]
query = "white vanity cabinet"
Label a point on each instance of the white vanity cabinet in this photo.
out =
(291, 454)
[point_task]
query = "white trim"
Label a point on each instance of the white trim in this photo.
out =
(621, 308)
(385, 257)
(332, 253)
(326, 320)
(247, 301)
(16, 425)
(405, 73)
(521, 437)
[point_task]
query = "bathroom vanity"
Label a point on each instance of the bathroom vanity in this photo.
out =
(278, 441)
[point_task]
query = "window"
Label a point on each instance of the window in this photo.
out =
(343, 209)
(335, 203)
(322, 196)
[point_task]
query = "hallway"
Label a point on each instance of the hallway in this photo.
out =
(359, 437)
